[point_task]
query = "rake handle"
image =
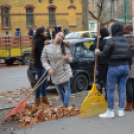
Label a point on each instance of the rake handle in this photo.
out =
(36, 86)
(97, 46)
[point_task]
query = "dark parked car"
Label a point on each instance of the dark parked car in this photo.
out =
(82, 51)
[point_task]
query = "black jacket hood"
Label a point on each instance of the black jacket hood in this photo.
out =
(117, 29)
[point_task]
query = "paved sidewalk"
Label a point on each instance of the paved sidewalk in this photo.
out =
(90, 125)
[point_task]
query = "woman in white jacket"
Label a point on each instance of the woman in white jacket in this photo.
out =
(52, 54)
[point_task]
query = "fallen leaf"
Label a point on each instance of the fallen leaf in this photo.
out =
(9, 100)
(15, 93)
(28, 119)
(17, 100)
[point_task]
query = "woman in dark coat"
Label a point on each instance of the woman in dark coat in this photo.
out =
(118, 50)
(102, 63)
(37, 47)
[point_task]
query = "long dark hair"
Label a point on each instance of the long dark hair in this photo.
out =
(104, 32)
(35, 37)
(128, 29)
(63, 45)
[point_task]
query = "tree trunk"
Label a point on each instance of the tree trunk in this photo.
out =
(84, 15)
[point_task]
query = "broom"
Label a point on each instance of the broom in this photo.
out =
(21, 107)
(94, 103)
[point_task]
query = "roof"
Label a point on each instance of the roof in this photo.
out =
(122, 20)
(83, 31)
(74, 41)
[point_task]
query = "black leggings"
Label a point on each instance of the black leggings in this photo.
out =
(102, 77)
(130, 90)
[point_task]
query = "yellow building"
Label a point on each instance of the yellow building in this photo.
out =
(26, 13)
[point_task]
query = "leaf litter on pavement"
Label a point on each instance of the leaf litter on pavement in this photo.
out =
(14, 96)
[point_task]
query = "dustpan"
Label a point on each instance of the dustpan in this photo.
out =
(94, 103)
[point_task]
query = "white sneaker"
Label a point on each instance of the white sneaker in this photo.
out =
(108, 114)
(121, 113)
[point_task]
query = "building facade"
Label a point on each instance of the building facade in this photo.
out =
(24, 14)
(133, 12)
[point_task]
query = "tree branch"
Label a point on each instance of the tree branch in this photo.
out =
(92, 14)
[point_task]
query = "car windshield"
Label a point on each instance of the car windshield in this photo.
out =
(72, 35)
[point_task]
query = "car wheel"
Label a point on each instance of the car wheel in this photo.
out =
(9, 61)
(26, 59)
(80, 83)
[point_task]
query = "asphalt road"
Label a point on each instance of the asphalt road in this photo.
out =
(13, 78)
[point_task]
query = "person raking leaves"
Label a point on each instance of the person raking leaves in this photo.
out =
(52, 54)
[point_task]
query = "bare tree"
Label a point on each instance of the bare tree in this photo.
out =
(107, 8)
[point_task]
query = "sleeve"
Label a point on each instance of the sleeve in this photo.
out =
(44, 60)
(107, 50)
(95, 41)
(40, 46)
(70, 60)
(49, 36)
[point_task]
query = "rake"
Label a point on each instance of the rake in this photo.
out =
(21, 107)
(94, 103)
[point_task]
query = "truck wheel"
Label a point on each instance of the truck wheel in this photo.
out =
(80, 83)
(26, 59)
(9, 61)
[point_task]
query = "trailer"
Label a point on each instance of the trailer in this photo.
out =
(15, 48)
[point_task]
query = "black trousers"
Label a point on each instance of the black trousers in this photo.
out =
(102, 77)
(130, 90)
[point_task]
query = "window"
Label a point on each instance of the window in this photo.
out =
(71, 1)
(52, 17)
(94, 35)
(29, 17)
(92, 25)
(78, 51)
(50, 1)
(88, 49)
(5, 17)
(72, 35)
(85, 35)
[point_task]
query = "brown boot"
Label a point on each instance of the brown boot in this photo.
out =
(133, 105)
(37, 102)
(128, 107)
(45, 100)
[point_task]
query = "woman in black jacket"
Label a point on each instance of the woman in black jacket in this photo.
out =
(102, 63)
(118, 50)
(37, 47)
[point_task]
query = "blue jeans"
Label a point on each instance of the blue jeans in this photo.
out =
(42, 88)
(117, 74)
(65, 96)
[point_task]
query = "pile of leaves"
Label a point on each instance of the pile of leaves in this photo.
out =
(33, 115)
